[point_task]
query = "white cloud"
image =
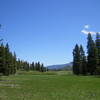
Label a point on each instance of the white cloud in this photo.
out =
(86, 26)
(87, 32)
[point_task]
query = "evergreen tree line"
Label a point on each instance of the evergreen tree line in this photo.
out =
(25, 66)
(9, 63)
(38, 67)
(90, 64)
(7, 60)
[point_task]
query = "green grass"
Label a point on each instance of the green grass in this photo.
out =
(49, 86)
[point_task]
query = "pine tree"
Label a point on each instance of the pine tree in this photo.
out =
(76, 60)
(32, 66)
(83, 66)
(10, 63)
(38, 66)
(98, 48)
(7, 60)
(26, 66)
(18, 64)
(2, 58)
(14, 63)
(92, 55)
(42, 68)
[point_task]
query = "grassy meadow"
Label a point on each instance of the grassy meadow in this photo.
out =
(61, 85)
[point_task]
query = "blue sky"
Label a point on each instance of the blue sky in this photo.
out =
(47, 30)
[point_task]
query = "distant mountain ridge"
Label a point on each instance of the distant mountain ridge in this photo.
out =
(67, 66)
